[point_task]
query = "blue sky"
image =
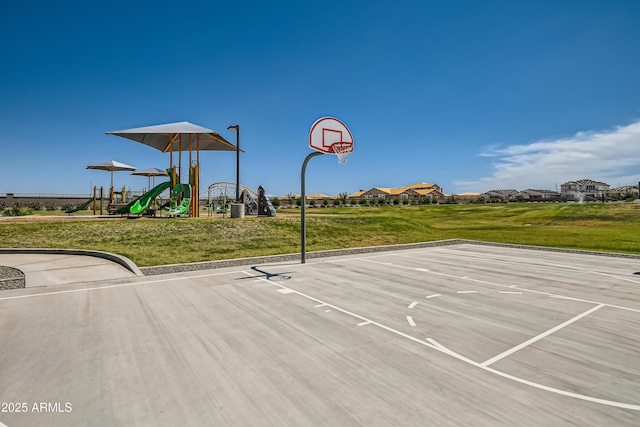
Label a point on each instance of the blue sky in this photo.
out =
(471, 95)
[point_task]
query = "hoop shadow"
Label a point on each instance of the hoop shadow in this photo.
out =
(269, 276)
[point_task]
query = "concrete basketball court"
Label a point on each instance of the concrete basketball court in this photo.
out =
(452, 336)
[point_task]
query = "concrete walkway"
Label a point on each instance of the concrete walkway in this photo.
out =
(46, 269)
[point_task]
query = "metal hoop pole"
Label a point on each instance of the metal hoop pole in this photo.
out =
(303, 222)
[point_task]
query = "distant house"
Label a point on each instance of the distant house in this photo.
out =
(319, 198)
(584, 189)
(467, 197)
(530, 195)
(380, 193)
(422, 189)
(356, 195)
(410, 192)
(500, 195)
(623, 191)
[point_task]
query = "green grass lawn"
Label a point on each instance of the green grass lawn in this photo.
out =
(147, 242)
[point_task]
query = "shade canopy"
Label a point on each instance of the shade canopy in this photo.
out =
(112, 165)
(151, 172)
(176, 136)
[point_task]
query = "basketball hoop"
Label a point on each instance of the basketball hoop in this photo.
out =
(342, 150)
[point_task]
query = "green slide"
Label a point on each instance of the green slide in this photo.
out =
(83, 206)
(183, 207)
(141, 204)
(145, 200)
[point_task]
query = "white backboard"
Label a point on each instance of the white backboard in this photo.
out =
(327, 131)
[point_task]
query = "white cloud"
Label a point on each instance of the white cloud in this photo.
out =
(610, 156)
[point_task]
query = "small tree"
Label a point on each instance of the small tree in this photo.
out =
(363, 201)
(298, 201)
(343, 198)
(312, 203)
(336, 202)
(276, 202)
(396, 201)
(354, 202)
(290, 198)
(325, 202)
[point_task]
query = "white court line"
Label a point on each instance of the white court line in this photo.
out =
(285, 291)
(613, 403)
(438, 347)
(413, 304)
(410, 320)
(434, 342)
(522, 259)
(365, 321)
(539, 337)
(549, 294)
(433, 296)
(510, 292)
(467, 292)
(122, 285)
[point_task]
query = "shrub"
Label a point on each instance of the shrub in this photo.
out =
(36, 206)
(336, 202)
(363, 201)
(312, 203)
(354, 202)
(17, 211)
(325, 202)
(298, 201)
(275, 202)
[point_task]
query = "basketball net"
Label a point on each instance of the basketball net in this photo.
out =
(342, 150)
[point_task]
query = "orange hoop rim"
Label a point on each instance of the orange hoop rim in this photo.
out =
(342, 147)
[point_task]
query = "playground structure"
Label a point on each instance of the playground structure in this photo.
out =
(221, 195)
(128, 202)
(184, 196)
(102, 200)
(178, 201)
(179, 137)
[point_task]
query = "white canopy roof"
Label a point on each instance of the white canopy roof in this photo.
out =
(176, 136)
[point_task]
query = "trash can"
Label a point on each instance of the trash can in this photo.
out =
(237, 210)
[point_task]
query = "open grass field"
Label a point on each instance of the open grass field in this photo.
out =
(148, 242)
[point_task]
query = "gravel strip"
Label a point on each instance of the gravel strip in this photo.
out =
(11, 278)
(178, 268)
